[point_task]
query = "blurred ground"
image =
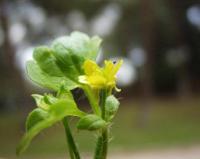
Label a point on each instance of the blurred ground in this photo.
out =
(175, 153)
(192, 152)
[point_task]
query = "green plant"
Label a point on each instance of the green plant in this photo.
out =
(67, 64)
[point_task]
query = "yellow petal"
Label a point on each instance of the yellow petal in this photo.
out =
(117, 66)
(83, 79)
(96, 81)
(90, 67)
(111, 69)
(108, 68)
(97, 77)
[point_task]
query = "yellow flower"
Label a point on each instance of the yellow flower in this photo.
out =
(97, 77)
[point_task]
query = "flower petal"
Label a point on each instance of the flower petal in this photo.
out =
(83, 79)
(96, 81)
(90, 67)
(117, 66)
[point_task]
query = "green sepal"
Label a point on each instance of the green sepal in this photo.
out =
(111, 107)
(91, 122)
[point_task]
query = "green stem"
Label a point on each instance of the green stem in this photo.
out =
(104, 131)
(73, 150)
(105, 143)
(102, 142)
(103, 102)
(92, 100)
(98, 149)
(71, 153)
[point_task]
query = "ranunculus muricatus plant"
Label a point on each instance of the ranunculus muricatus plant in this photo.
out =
(69, 63)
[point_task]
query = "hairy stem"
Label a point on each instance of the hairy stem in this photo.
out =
(105, 143)
(102, 142)
(73, 150)
(71, 153)
(98, 149)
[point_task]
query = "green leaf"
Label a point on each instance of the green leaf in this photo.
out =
(71, 51)
(46, 61)
(65, 59)
(35, 117)
(111, 106)
(83, 45)
(32, 132)
(91, 122)
(47, 81)
(65, 107)
(37, 121)
(62, 63)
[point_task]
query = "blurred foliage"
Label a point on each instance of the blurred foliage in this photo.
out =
(88, 7)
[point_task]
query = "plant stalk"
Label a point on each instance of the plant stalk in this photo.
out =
(93, 101)
(102, 142)
(105, 143)
(98, 150)
(73, 150)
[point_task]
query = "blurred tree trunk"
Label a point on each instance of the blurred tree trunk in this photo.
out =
(7, 47)
(147, 25)
(178, 16)
(11, 81)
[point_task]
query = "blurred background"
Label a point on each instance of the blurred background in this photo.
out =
(159, 41)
